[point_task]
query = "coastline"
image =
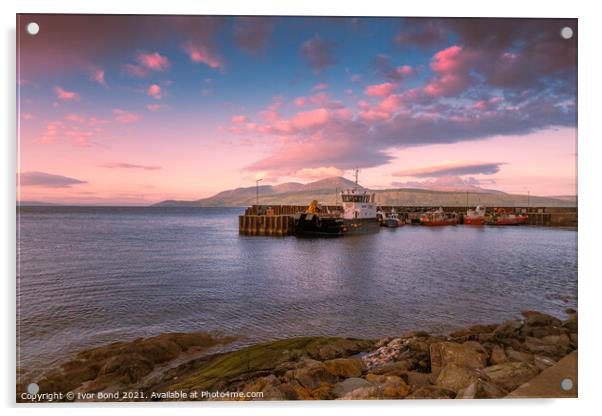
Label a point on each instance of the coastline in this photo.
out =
(481, 361)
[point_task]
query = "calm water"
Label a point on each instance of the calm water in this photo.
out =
(90, 276)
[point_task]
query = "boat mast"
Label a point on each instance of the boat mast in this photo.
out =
(356, 172)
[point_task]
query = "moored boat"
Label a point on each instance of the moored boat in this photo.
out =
(475, 216)
(314, 223)
(438, 217)
(501, 217)
(392, 220)
(359, 209)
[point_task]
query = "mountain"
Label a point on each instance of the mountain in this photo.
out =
(327, 191)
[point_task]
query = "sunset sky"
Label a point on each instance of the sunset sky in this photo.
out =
(134, 110)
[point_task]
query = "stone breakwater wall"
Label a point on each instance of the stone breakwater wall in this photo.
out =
(482, 361)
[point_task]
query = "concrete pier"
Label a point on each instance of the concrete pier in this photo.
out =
(279, 220)
(269, 225)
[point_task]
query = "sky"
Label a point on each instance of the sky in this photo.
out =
(132, 110)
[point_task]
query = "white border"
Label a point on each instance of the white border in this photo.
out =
(590, 34)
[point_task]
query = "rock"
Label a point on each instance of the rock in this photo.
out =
(560, 339)
(385, 354)
(324, 392)
(574, 340)
(498, 355)
(344, 367)
(547, 347)
(533, 318)
(480, 389)
(512, 374)
(383, 341)
(523, 357)
(483, 329)
(571, 324)
(314, 376)
(432, 392)
(469, 354)
(461, 333)
(543, 362)
(270, 386)
(570, 311)
(363, 393)
(508, 329)
(394, 388)
(418, 345)
(544, 331)
(455, 377)
(348, 385)
(396, 368)
(415, 334)
(295, 391)
(416, 379)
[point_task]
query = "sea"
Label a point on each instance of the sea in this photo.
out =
(88, 276)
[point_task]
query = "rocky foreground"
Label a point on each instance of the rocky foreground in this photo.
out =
(483, 361)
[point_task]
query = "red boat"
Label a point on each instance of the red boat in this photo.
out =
(500, 217)
(437, 218)
(475, 216)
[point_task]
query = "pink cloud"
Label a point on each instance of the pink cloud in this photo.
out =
(65, 95)
(320, 86)
(98, 75)
(203, 54)
(154, 107)
(136, 70)
(123, 116)
(300, 101)
(239, 119)
(313, 118)
(26, 116)
(318, 173)
(154, 61)
(272, 112)
(121, 165)
(155, 92)
(374, 115)
(379, 90)
(452, 66)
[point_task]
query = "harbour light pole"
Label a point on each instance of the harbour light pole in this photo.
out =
(257, 191)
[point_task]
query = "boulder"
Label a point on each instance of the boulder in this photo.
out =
(547, 347)
(543, 362)
(270, 386)
(510, 375)
(523, 357)
(394, 388)
(432, 392)
(533, 318)
(571, 324)
(416, 379)
(344, 367)
(348, 385)
(480, 389)
(295, 391)
(498, 355)
(324, 392)
(455, 377)
(544, 331)
(314, 376)
(508, 329)
(396, 368)
(363, 393)
(469, 354)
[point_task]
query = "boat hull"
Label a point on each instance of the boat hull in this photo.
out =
(474, 220)
(361, 226)
(438, 223)
(309, 225)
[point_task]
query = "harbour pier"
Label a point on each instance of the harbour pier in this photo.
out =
(279, 220)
